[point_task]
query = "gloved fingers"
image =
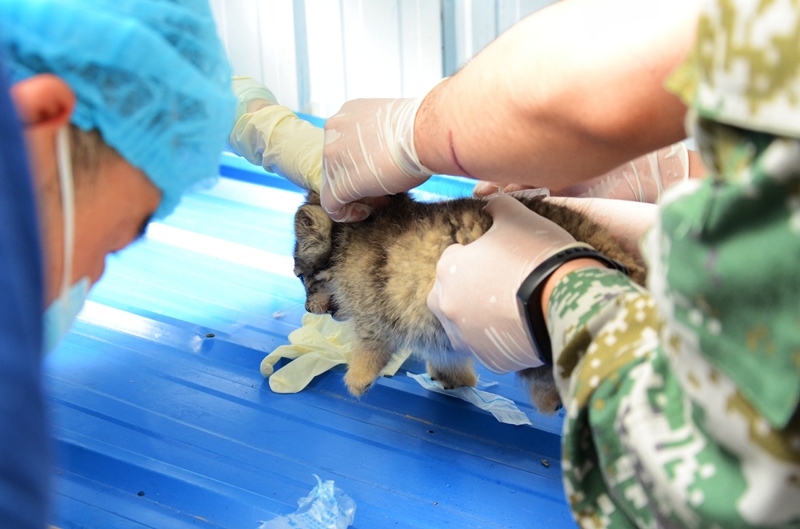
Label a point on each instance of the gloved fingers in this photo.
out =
(451, 307)
(448, 262)
(474, 293)
(513, 188)
(246, 88)
(466, 326)
(369, 151)
(507, 208)
(443, 312)
(627, 221)
(522, 227)
(340, 208)
(673, 165)
(279, 141)
(352, 212)
(446, 266)
(284, 351)
(266, 368)
(488, 189)
(250, 96)
(642, 179)
(296, 375)
(601, 210)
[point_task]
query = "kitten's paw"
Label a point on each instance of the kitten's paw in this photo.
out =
(454, 378)
(546, 400)
(357, 384)
(542, 388)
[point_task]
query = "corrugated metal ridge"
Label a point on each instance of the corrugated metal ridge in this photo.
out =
(159, 424)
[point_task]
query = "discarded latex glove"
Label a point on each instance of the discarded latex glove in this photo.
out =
(326, 507)
(502, 408)
(318, 346)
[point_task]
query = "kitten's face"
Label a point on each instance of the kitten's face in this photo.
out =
(317, 284)
(312, 253)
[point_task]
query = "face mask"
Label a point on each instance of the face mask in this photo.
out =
(61, 313)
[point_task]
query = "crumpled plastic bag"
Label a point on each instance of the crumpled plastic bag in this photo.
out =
(325, 507)
(321, 344)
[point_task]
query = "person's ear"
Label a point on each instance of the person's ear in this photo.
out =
(44, 100)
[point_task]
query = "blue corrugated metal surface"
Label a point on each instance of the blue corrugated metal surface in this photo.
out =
(158, 424)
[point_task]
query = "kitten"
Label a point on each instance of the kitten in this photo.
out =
(377, 275)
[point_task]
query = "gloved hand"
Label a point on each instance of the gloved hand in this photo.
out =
(282, 143)
(369, 152)
(474, 295)
(272, 136)
(626, 221)
(250, 96)
(642, 179)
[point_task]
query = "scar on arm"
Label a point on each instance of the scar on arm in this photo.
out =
(454, 156)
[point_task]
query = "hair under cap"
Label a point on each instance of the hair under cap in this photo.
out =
(150, 75)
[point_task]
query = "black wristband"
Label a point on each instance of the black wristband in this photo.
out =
(529, 295)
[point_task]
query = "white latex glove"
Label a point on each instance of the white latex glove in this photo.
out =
(318, 346)
(369, 152)
(279, 141)
(474, 295)
(250, 96)
(643, 179)
(626, 221)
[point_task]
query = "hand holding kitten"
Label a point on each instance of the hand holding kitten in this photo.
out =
(474, 296)
(369, 152)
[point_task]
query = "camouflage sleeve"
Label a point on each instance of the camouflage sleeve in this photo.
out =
(638, 449)
(682, 402)
(744, 68)
(603, 329)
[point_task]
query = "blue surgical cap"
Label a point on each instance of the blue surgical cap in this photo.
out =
(150, 75)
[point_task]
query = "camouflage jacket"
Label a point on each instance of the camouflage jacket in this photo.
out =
(682, 400)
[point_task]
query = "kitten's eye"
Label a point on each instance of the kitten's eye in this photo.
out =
(300, 277)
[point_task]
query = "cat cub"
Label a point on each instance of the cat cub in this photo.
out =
(376, 275)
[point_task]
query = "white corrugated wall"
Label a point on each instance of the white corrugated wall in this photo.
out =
(316, 54)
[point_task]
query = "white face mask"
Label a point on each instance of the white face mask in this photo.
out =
(61, 313)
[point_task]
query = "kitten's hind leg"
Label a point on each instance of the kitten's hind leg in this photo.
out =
(452, 369)
(368, 359)
(542, 388)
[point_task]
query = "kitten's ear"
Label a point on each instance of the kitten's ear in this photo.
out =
(313, 198)
(313, 228)
(400, 199)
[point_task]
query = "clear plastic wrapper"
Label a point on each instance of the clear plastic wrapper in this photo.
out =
(325, 507)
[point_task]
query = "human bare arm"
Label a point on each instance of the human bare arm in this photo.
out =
(568, 93)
